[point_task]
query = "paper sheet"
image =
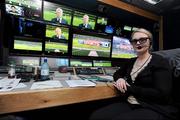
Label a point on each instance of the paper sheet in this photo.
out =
(46, 84)
(7, 84)
(80, 83)
(21, 85)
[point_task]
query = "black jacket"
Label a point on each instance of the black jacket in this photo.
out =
(152, 86)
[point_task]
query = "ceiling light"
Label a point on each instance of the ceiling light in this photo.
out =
(153, 1)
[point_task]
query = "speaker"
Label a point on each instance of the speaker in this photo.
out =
(102, 8)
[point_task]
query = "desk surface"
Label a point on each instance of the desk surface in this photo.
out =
(22, 100)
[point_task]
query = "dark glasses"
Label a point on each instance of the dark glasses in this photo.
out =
(140, 40)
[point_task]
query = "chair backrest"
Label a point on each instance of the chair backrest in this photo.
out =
(173, 56)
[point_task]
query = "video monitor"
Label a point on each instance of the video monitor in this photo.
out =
(102, 21)
(118, 31)
(122, 48)
(109, 29)
(29, 28)
(27, 44)
(127, 28)
(56, 13)
(55, 63)
(57, 32)
(57, 38)
(27, 8)
(15, 10)
(87, 45)
(101, 24)
(101, 63)
(83, 20)
(134, 28)
(80, 63)
(23, 60)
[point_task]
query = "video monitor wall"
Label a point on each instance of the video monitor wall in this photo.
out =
(57, 38)
(51, 29)
(26, 8)
(56, 13)
(122, 48)
(86, 45)
(83, 20)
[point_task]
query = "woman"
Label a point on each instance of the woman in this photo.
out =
(146, 84)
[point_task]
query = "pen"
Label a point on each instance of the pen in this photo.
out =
(93, 81)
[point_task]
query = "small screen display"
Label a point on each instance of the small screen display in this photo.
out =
(27, 8)
(122, 48)
(83, 20)
(56, 13)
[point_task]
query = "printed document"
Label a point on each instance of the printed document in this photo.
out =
(46, 84)
(8, 84)
(80, 83)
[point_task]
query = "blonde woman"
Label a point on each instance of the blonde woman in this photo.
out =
(145, 83)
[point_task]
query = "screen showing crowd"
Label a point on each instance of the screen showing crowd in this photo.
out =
(122, 48)
(85, 45)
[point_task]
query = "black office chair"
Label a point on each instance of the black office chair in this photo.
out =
(173, 56)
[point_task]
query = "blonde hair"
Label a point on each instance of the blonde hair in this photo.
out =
(142, 30)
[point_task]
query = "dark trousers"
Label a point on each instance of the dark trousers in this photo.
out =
(125, 111)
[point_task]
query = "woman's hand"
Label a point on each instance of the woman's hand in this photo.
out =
(121, 85)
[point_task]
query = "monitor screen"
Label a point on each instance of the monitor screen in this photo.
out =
(57, 32)
(84, 20)
(86, 45)
(122, 48)
(118, 31)
(15, 10)
(102, 20)
(101, 24)
(27, 8)
(57, 13)
(80, 63)
(127, 28)
(55, 63)
(27, 44)
(134, 28)
(57, 38)
(101, 63)
(29, 28)
(22, 60)
(109, 29)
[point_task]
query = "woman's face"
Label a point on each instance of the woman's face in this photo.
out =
(140, 42)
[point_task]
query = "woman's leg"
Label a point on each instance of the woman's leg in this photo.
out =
(110, 111)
